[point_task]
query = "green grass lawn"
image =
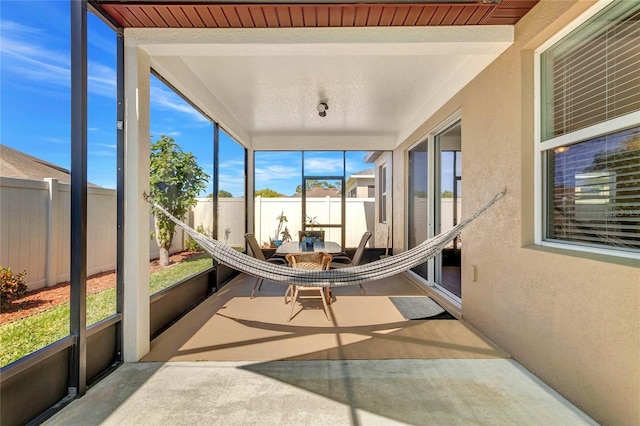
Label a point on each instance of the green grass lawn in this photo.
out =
(22, 337)
(171, 275)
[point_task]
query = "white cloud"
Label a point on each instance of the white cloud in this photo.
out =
(323, 165)
(354, 166)
(275, 175)
(231, 183)
(16, 27)
(23, 51)
(55, 140)
(156, 135)
(165, 99)
(26, 57)
(232, 164)
(107, 145)
(102, 80)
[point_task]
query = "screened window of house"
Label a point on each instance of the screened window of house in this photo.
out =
(180, 136)
(590, 132)
(305, 188)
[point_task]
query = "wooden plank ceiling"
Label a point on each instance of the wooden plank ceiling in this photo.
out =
(131, 14)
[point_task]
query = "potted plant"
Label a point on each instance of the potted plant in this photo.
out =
(275, 241)
(311, 235)
(286, 236)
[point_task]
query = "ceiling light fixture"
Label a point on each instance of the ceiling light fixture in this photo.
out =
(322, 109)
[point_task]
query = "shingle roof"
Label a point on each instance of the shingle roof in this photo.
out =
(318, 192)
(16, 164)
(367, 172)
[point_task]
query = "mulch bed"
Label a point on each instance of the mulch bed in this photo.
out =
(45, 298)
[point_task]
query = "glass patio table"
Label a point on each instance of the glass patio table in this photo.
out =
(301, 247)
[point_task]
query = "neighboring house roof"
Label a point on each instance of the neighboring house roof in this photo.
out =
(320, 192)
(369, 173)
(16, 164)
(362, 179)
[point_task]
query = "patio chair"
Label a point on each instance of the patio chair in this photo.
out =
(342, 260)
(257, 253)
(312, 261)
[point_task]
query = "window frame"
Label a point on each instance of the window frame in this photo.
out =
(383, 193)
(542, 148)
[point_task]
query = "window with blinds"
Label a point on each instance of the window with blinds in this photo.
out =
(596, 191)
(593, 74)
(592, 182)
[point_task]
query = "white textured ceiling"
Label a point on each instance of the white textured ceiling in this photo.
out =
(263, 86)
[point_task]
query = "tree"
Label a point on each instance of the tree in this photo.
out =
(176, 180)
(313, 183)
(267, 193)
(447, 194)
(221, 194)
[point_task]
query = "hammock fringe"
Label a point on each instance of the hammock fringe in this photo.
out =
(353, 275)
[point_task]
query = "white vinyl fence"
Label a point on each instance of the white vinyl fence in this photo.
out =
(231, 217)
(360, 217)
(35, 226)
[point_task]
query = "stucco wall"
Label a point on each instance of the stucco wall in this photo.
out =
(571, 318)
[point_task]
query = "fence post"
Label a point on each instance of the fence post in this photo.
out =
(257, 224)
(53, 201)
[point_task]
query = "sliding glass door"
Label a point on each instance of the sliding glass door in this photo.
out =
(434, 205)
(448, 205)
(418, 217)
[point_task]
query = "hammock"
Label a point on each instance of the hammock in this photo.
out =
(353, 275)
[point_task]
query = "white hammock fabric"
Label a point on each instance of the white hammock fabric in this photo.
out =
(360, 274)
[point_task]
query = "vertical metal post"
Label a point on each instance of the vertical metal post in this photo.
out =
(78, 321)
(120, 189)
(216, 186)
(343, 211)
(213, 278)
(304, 196)
(390, 192)
(246, 192)
(455, 190)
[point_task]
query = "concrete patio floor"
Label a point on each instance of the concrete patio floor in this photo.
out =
(369, 392)
(235, 361)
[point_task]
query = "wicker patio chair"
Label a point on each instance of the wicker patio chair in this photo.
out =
(311, 261)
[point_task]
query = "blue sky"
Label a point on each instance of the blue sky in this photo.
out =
(35, 103)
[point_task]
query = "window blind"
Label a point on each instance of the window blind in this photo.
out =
(593, 74)
(596, 191)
